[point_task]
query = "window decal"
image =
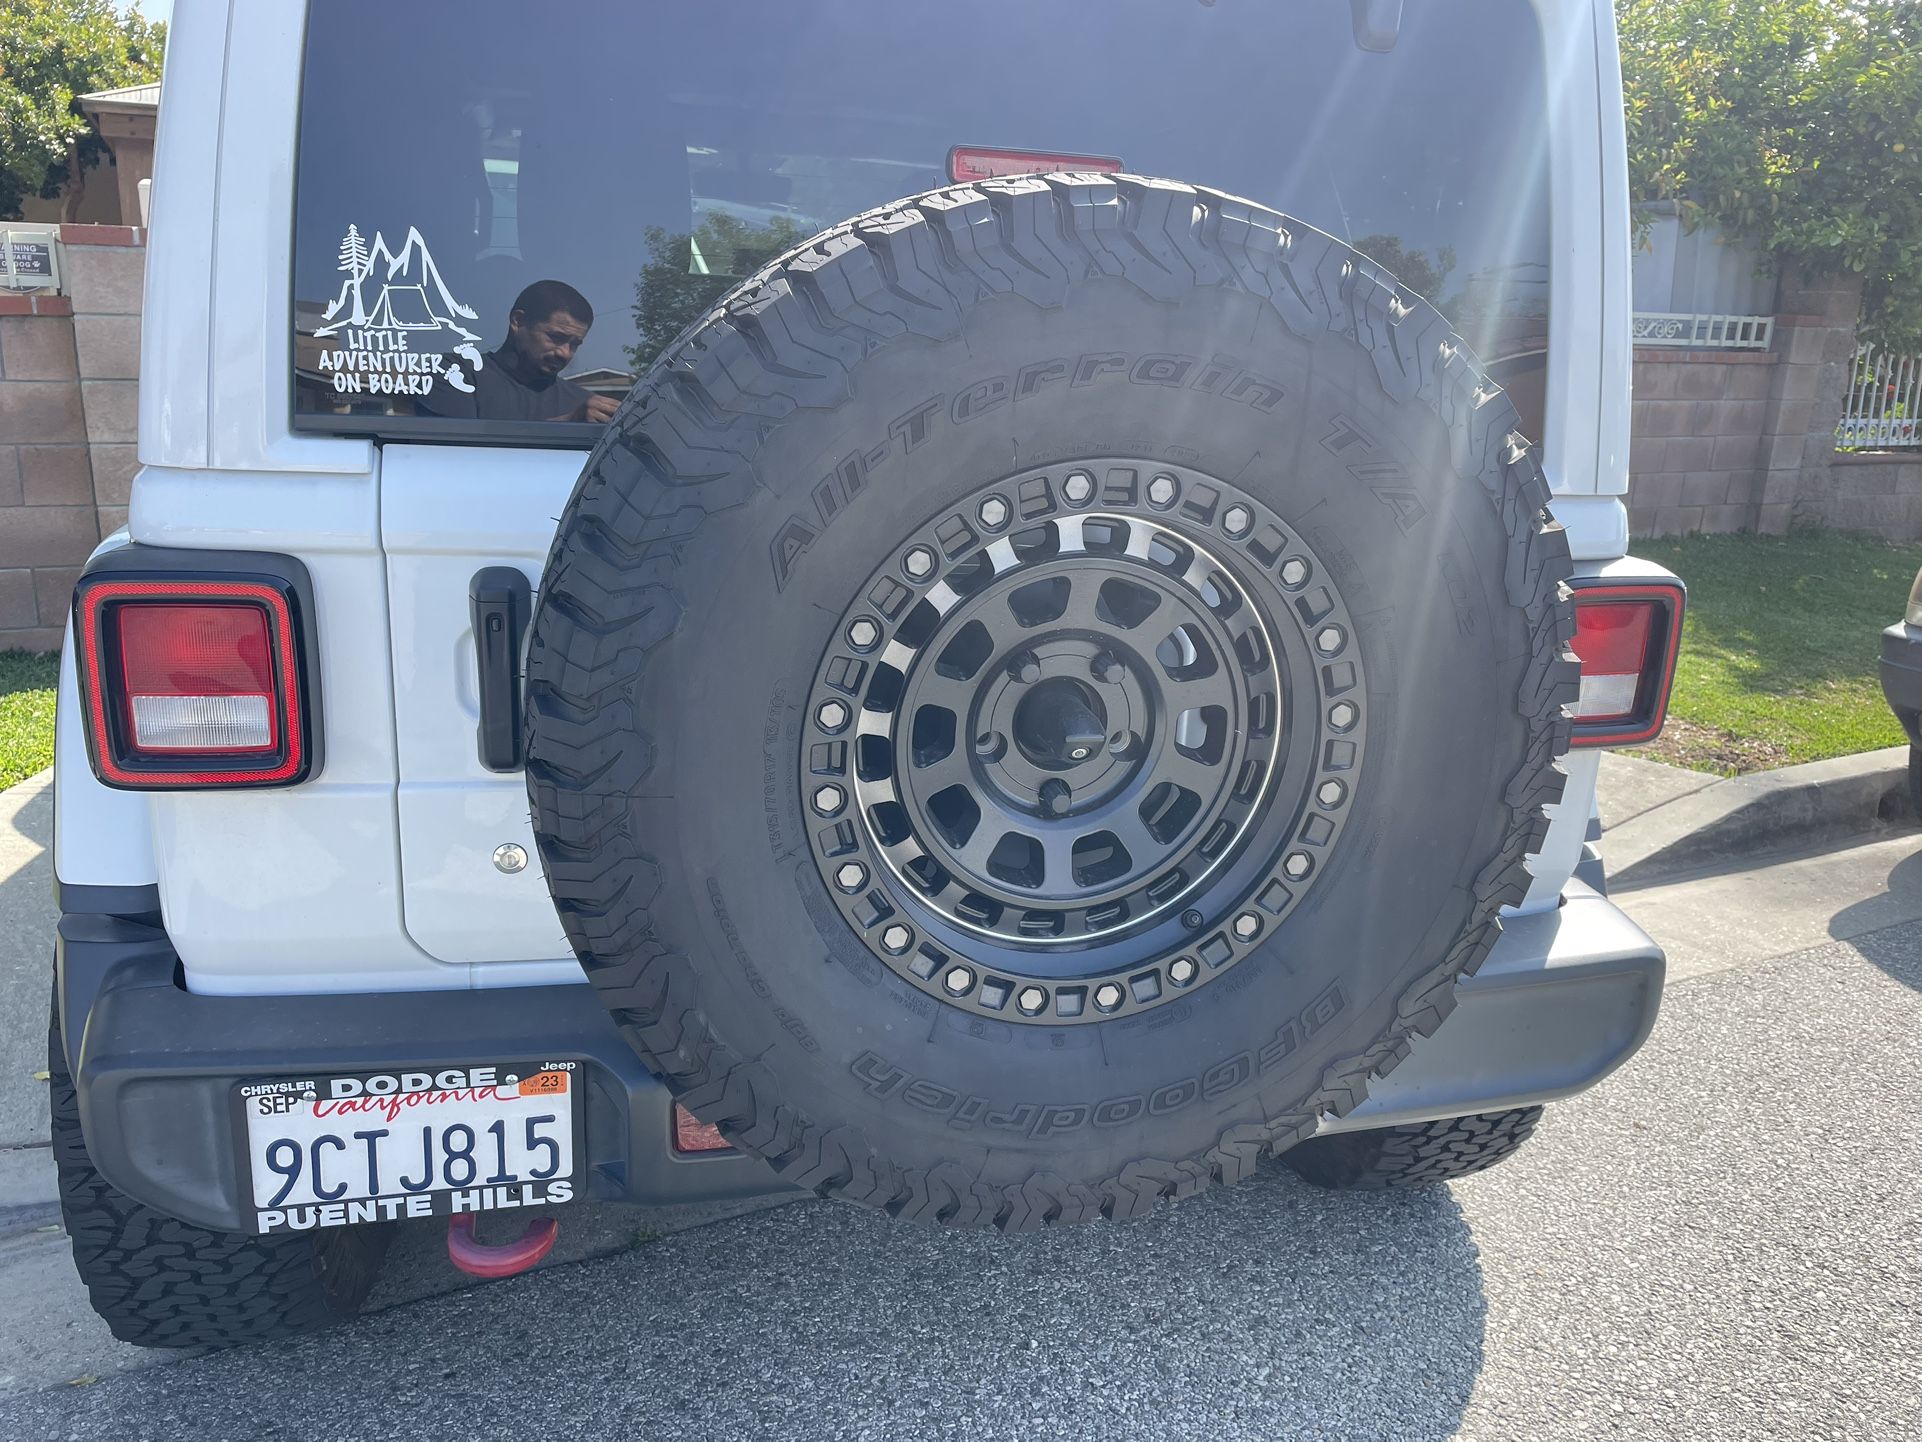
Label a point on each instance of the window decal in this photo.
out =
(399, 328)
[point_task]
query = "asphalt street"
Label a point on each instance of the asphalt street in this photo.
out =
(1723, 1240)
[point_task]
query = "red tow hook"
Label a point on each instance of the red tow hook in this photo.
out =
(504, 1259)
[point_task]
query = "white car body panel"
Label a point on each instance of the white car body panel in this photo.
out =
(308, 889)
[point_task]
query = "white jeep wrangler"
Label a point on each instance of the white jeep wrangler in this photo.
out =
(645, 666)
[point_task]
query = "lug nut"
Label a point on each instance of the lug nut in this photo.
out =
(1078, 487)
(1328, 640)
(1341, 715)
(851, 877)
(1025, 667)
(919, 563)
(1161, 491)
(1296, 866)
(831, 715)
(1293, 572)
(1107, 667)
(1181, 971)
(1032, 999)
(1247, 925)
(863, 634)
(990, 746)
(1107, 996)
(958, 980)
(1330, 793)
(1124, 745)
(1055, 796)
(1236, 520)
(828, 800)
(896, 939)
(993, 513)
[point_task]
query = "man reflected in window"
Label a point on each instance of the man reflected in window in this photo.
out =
(521, 380)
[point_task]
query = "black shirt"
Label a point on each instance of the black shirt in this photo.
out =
(500, 396)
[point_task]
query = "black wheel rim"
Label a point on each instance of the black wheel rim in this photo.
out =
(1082, 741)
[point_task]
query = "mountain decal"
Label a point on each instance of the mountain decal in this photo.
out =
(411, 297)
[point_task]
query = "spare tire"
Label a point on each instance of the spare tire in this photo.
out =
(1041, 693)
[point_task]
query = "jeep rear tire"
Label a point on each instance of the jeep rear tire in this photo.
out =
(1422, 1154)
(161, 1282)
(1040, 695)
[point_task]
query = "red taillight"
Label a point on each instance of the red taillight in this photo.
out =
(691, 1134)
(985, 162)
(1626, 637)
(191, 682)
(198, 678)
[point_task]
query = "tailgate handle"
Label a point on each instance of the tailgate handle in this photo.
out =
(498, 598)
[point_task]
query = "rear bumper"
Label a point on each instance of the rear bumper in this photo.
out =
(1902, 676)
(1565, 997)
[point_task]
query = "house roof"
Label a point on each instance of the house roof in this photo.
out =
(126, 97)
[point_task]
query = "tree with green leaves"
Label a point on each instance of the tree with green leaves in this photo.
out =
(1796, 124)
(686, 273)
(51, 53)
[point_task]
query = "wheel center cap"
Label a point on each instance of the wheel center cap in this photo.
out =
(1060, 724)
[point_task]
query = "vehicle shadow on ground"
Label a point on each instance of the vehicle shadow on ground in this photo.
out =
(1268, 1310)
(1857, 924)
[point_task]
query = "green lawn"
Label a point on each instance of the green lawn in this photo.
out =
(1779, 648)
(26, 713)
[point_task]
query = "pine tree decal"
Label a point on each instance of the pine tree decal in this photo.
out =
(355, 263)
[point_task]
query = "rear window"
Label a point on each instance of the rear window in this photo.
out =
(506, 209)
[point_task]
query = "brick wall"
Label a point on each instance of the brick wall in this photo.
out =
(69, 367)
(1696, 425)
(1745, 440)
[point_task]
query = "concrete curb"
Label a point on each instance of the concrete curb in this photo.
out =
(1727, 823)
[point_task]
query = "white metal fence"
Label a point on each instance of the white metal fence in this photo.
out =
(1718, 332)
(1884, 402)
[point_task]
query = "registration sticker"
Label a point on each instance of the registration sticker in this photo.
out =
(330, 1151)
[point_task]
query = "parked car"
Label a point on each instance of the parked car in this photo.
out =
(1902, 682)
(646, 666)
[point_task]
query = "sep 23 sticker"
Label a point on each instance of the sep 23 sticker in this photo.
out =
(397, 330)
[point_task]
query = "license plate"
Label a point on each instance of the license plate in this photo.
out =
(329, 1151)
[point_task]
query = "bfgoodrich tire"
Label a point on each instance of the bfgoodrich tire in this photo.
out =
(161, 1282)
(1042, 693)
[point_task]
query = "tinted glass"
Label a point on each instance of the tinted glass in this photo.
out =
(454, 153)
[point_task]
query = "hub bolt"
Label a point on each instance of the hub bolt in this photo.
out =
(1330, 793)
(1078, 487)
(1181, 971)
(1247, 926)
(1107, 996)
(851, 877)
(1293, 573)
(1107, 667)
(919, 563)
(1025, 667)
(1055, 796)
(896, 938)
(1296, 866)
(1032, 999)
(958, 980)
(863, 634)
(1328, 640)
(832, 715)
(1161, 491)
(994, 513)
(828, 800)
(1236, 520)
(1341, 715)
(990, 746)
